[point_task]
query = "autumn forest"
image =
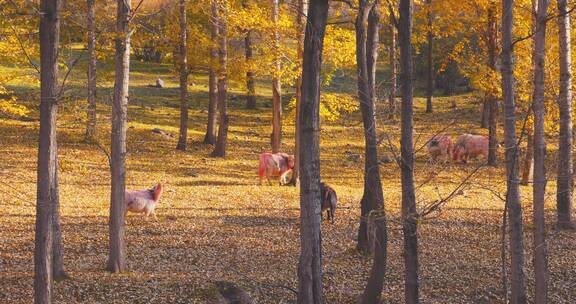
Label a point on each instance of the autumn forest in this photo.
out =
(287, 151)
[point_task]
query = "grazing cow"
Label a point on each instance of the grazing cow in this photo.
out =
(470, 146)
(328, 200)
(275, 164)
(143, 201)
(440, 146)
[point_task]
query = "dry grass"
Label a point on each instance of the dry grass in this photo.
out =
(216, 223)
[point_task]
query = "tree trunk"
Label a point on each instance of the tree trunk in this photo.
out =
(210, 137)
(310, 264)
(183, 137)
(409, 212)
(528, 167)
(373, 290)
(373, 196)
(539, 186)
(58, 272)
(220, 149)
(250, 86)
(492, 102)
(485, 113)
(47, 194)
(117, 253)
(366, 58)
(301, 20)
(91, 111)
(565, 178)
(393, 84)
(430, 78)
(276, 86)
(518, 295)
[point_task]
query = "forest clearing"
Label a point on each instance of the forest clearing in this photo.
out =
(216, 223)
(294, 151)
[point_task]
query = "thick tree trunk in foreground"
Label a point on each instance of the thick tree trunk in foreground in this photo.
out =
(430, 67)
(393, 72)
(491, 101)
(47, 194)
(301, 20)
(276, 87)
(183, 134)
(220, 149)
(91, 84)
(565, 162)
(518, 277)
(310, 264)
(210, 137)
(117, 253)
(409, 212)
(539, 186)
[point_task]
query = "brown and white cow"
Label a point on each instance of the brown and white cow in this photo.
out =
(470, 146)
(143, 201)
(440, 146)
(275, 164)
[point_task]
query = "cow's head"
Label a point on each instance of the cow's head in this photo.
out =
(290, 161)
(457, 152)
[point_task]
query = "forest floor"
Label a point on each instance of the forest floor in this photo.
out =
(215, 222)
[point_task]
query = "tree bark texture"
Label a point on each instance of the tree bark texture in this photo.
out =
(393, 72)
(539, 186)
(47, 188)
(210, 137)
(91, 84)
(517, 275)
(276, 86)
(250, 84)
(528, 166)
(117, 250)
(565, 162)
(430, 67)
(409, 212)
(492, 102)
(310, 263)
(183, 62)
(220, 149)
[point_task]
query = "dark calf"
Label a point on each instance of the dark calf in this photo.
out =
(328, 200)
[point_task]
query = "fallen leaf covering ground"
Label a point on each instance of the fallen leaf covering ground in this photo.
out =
(216, 223)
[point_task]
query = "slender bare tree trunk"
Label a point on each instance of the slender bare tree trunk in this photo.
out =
(250, 84)
(366, 57)
(491, 101)
(409, 212)
(565, 162)
(91, 38)
(310, 264)
(528, 166)
(518, 277)
(47, 187)
(183, 137)
(276, 86)
(430, 78)
(393, 72)
(373, 197)
(539, 186)
(301, 20)
(210, 137)
(117, 253)
(220, 149)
